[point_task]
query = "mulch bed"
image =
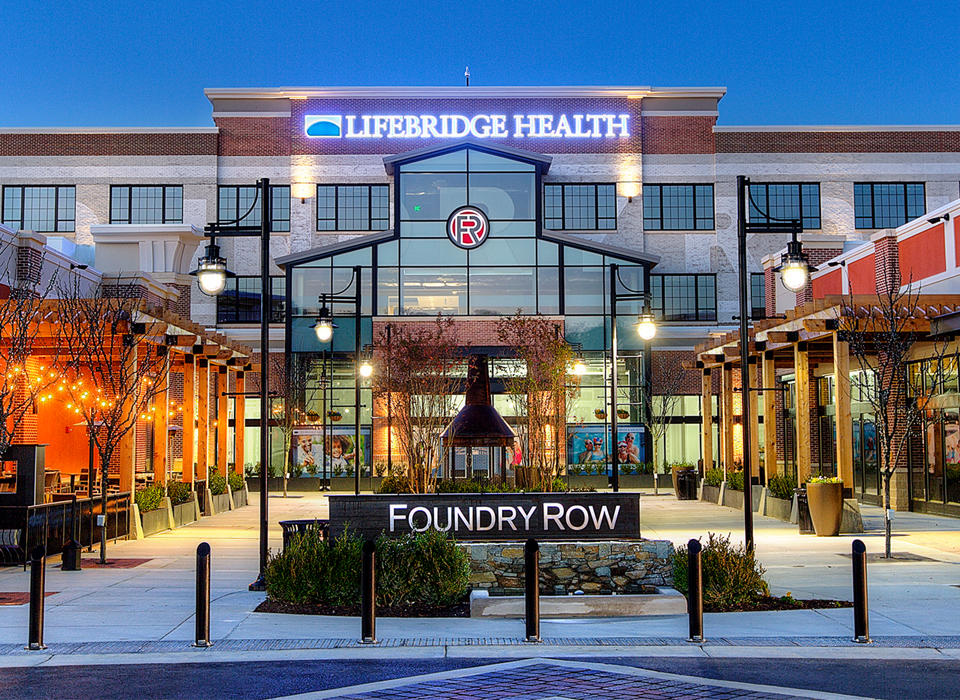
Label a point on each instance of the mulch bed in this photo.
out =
(781, 603)
(112, 563)
(277, 606)
(19, 598)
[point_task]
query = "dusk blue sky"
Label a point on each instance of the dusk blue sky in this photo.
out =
(82, 63)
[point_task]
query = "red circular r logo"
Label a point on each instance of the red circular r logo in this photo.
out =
(468, 227)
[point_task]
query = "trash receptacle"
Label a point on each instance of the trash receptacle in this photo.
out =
(687, 485)
(298, 528)
(803, 513)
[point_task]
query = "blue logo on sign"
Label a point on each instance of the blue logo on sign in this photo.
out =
(324, 125)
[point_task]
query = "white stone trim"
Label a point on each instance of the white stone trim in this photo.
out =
(110, 130)
(461, 91)
(251, 114)
(679, 113)
(838, 127)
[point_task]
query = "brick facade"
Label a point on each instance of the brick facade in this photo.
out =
(678, 135)
(137, 143)
(827, 141)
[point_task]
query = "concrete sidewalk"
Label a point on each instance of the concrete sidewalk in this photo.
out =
(913, 603)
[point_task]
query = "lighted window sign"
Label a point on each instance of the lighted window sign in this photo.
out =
(455, 126)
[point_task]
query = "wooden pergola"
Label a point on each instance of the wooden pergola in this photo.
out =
(807, 342)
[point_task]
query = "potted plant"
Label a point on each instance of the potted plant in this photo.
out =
(623, 413)
(825, 498)
(600, 413)
(335, 416)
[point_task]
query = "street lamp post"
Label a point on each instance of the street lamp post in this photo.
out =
(794, 273)
(646, 329)
(211, 276)
(324, 329)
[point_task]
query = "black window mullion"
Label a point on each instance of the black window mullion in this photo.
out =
(596, 207)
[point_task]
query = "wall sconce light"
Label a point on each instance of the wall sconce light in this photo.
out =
(303, 190)
(943, 217)
(629, 190)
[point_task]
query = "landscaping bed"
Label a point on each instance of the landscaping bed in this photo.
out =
(765, 603)
(461, 609)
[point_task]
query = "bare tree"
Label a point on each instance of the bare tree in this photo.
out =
(660, 399)
(292, 395)
(119, 365)
(882, 331)
(541, 393)
(422, 386)
(29, 339)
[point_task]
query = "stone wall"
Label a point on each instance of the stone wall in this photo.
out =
(591, 567)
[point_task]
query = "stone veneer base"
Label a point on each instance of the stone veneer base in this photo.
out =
(619, 566)
(666, 601)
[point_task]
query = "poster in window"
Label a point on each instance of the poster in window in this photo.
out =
(589, 444)
(312, 456)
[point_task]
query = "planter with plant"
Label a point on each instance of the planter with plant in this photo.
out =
(710, 489)
(181, 500)
(779, 502)
(237, 489)
(592, 475)
(825, 498)
(154, 515)
(636, 476)
(217, 485)
(678, 467)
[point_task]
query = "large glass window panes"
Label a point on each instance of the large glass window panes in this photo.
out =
(502, 291)
(684, 297)
(887, 204)
(431, 196)
(758, 300)
(584, 290)
(455, 161)
(240, 300)
(146, 204)
(774, 202)
(548, 290)
(353, 207)
(951, 455)
(504, 251)
(677, 207)
(235, 202)
(426, 251)
(429, 291)
(584, 207)
(43, 209)
(481, 161)
(388, 291)
(504, 195)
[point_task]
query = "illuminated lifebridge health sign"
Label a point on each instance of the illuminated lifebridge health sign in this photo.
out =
(455, 126)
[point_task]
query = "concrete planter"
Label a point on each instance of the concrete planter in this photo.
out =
(710, 494)
(344, 484)
(778, 508)
(641, 481)
(239, 498)
(732, 499)
(154, 521)
(583, 481)
(221, 503)
(826, 508)
(184, 514)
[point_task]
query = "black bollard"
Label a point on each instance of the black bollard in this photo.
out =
(861, 623)
(695, 590)
(203, 596)
(70, 559)
(531, 584)
(368, 594)
(36, 598)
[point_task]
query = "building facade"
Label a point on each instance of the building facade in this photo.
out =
(569, 179)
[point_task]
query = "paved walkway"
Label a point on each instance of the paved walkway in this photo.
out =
(913, 603)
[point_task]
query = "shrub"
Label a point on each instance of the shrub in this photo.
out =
(782, 486)
(713, 477)
(235, 481)
(732, 578)
(394, 484)
(425, 568)
(149, 498)
(217, 484)
(179, 492)
(824, 480)
(735, 481)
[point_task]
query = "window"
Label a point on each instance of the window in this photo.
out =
(758, 297)
(240, 300)
(153, 204)
(353, 207)
(684, 297)
(887, 204)
(580, 207)
(678, 207)
(46, 209)
(774, 201)
(235, 201)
